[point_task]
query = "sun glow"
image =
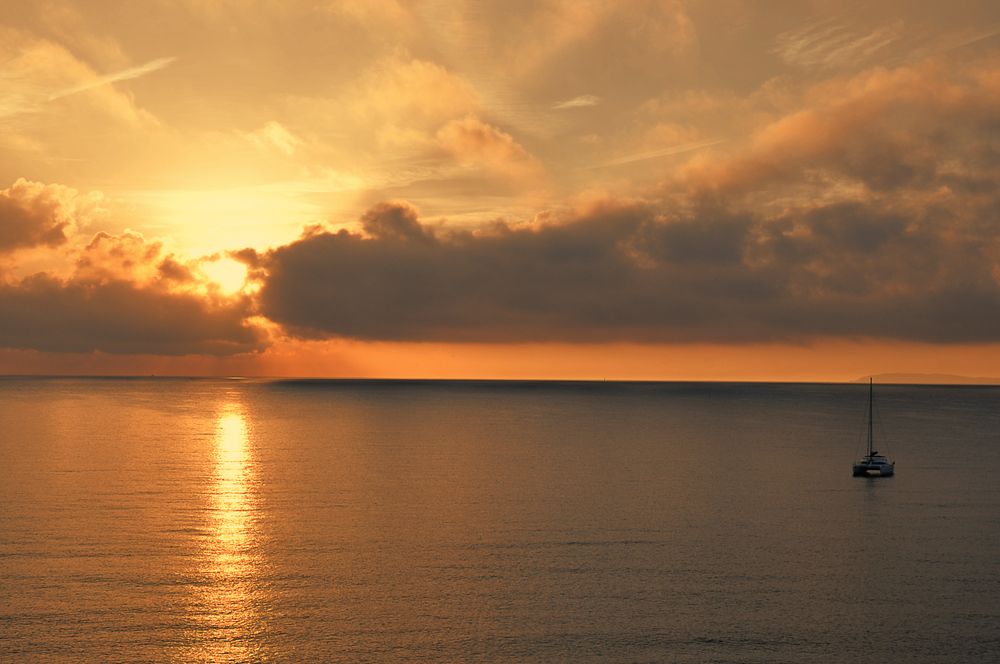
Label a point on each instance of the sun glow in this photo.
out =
(206, 221)
(228, 274)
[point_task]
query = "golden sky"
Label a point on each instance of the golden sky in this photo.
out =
(715, 189)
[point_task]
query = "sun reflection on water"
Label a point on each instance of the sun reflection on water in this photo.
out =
(231, 481)
(229, 603)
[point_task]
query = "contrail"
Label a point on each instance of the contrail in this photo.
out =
(640, 156)
(123, 75)
(578, 102)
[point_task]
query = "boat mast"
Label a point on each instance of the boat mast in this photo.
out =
(871, 415)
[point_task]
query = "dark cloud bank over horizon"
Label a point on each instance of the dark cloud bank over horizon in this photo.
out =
(120, 317)
(870, 211)
(626, 273)
(122, 296)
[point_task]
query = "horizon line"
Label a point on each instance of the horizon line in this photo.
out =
(972, 381)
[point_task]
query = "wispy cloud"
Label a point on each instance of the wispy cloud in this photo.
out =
(653, 154)
(961, 40)
(582, 101)
(106, 79)
(832, 44)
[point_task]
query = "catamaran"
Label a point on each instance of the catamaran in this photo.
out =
(873, 463)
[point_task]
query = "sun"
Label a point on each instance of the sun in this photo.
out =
(228, 274)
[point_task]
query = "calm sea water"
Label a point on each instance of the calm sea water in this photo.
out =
(219, 520)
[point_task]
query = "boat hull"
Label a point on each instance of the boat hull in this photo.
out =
(873, 470)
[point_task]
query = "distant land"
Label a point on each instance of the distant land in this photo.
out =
(930, 379)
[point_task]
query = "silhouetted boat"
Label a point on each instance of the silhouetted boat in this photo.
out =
(873, 463)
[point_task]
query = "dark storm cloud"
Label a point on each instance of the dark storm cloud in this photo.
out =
(714, 235)
(43, 313)
(634, 273)
(869, 208)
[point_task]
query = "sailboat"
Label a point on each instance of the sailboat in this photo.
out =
(873, 463)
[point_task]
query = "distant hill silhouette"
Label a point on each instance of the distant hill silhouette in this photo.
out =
(930, 379)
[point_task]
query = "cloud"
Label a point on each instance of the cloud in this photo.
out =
(794, 209)
(885, 129)
(869, 210)
(36, 214)
(412, 92)
(119, 294)
(635, 272)
(274, 136)
(107, 79)
(127, 257)
(474, 142)
(38, 73)
(395, 222)
(655, 154)
(77, 316)
(833, 44)
(583, 101)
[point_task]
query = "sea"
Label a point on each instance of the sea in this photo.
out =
(235, 520)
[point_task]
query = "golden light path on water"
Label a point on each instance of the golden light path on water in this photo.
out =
(231, 485)
(229, 604)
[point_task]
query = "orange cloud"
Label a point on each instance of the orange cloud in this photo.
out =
(885, 128)
(112, 257)
(413, 92)
(123, 293)
(471, 141)
(32, 213)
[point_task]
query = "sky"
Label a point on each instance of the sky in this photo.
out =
(636, 189)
